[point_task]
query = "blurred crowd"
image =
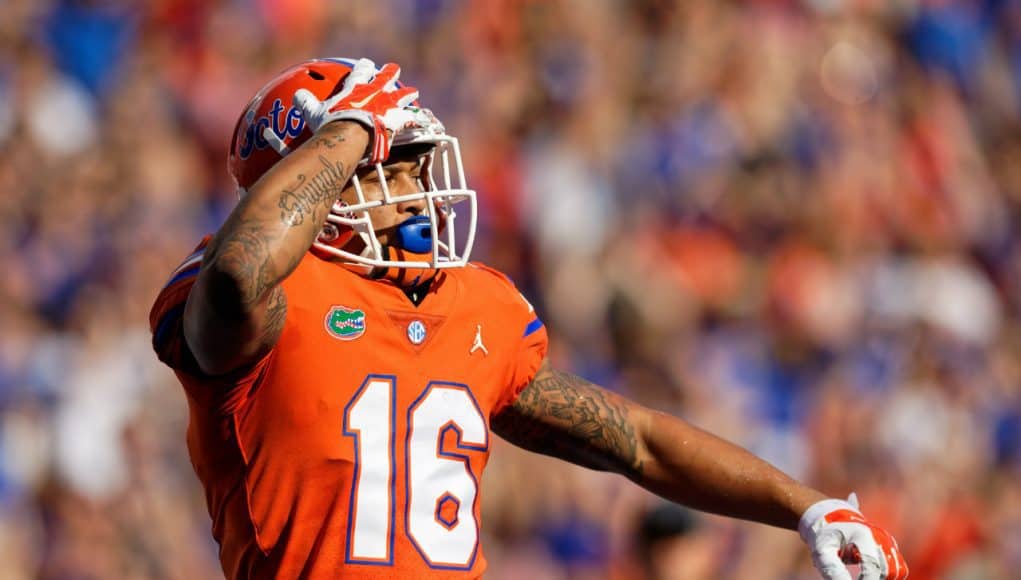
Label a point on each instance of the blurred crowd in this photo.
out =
(794, 223)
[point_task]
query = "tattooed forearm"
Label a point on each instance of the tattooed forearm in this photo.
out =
(237, 307)
(329, 140)
(565, 416)
(255, 250)
(312, 197)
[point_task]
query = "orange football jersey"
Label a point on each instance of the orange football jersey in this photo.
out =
(355, 448)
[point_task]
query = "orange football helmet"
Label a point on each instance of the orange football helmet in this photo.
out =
(270, 127)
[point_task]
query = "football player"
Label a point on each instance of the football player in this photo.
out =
(346, 366)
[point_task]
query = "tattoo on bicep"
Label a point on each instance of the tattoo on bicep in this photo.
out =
(565, 416)
(310, 197)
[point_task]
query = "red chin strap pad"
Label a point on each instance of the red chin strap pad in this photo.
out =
(405, 277)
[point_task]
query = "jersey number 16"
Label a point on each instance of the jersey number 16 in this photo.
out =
(440, 486)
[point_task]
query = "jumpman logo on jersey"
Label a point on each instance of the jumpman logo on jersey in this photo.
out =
(477, 345)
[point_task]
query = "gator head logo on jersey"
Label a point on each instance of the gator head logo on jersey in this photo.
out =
(345, 323)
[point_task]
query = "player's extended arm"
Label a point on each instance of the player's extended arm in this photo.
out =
(236, 310)
(565, 416)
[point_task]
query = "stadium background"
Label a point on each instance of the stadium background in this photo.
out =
(793, 223)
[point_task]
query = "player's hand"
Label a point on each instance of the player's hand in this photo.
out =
(368, 97)
(839, 534)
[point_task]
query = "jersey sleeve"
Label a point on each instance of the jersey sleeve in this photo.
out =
(166, 322)
(166, 319)
(532, 342)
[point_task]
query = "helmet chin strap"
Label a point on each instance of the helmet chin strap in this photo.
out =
(412, 243)
(404, 277)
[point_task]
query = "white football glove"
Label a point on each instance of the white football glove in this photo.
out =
(368, 97)
(839, 534)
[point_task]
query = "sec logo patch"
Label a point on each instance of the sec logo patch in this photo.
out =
(416, 332)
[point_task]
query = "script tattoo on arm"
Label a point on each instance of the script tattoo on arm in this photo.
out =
(312, 196)
(255, 250)
(565, 416)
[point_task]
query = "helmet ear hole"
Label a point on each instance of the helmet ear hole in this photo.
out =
(332, 235)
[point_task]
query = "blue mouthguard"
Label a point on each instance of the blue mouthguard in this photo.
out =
(415, 235)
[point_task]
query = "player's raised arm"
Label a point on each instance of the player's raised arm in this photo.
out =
(565, 416)
(236, 310)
